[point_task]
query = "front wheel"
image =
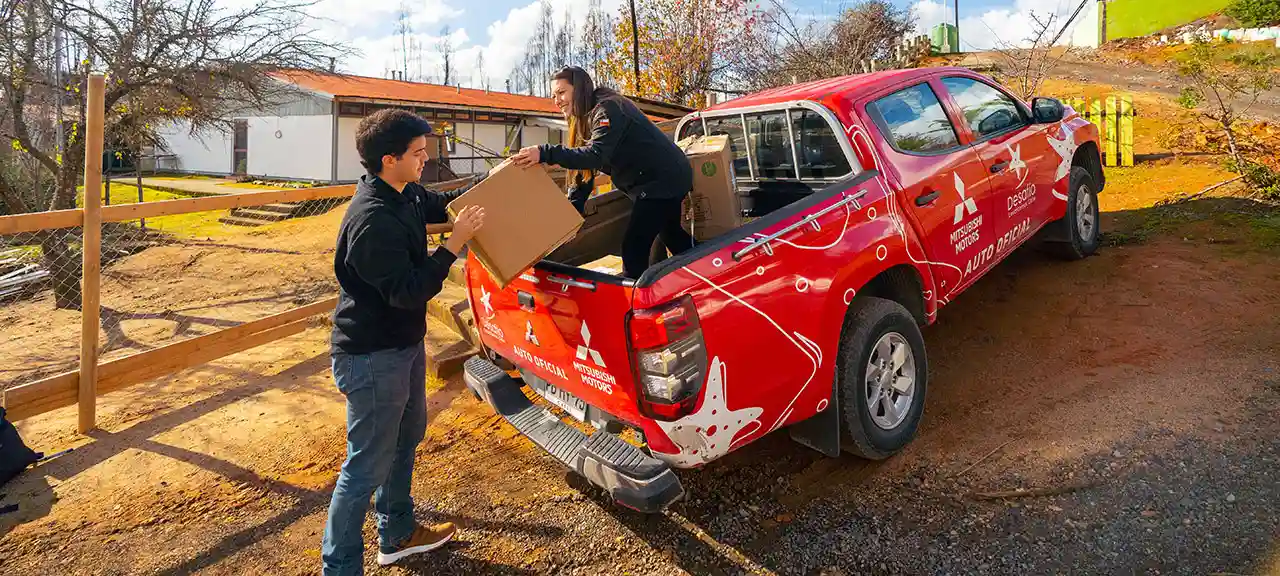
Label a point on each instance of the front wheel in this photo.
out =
(883, 376)
(1077, 233)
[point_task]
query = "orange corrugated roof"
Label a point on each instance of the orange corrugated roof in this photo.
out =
(340, 85)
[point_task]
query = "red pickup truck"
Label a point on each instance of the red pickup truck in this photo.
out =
(871, 202)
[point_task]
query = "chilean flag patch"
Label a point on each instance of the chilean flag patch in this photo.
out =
(604, 121)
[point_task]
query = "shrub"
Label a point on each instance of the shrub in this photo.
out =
(1255, 13)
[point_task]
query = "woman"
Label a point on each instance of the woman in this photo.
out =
(609, 134)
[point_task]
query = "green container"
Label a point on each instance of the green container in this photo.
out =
(945, 39)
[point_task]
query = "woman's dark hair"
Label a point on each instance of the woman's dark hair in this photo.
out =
(387, 131)
(584, 97)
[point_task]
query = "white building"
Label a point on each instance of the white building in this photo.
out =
(312, 135)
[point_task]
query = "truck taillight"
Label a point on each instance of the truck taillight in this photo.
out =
(669, 358)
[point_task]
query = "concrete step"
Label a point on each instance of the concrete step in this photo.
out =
(448, 307)
(238, 221)
(446, 350)
(458, 272)
(279, 208)
(256, 214)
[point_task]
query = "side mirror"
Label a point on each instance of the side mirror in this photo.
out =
(1047, 110)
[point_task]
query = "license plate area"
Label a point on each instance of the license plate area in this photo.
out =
(575, 406)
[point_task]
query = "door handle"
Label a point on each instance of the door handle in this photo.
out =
(927, 197)
(999, 167)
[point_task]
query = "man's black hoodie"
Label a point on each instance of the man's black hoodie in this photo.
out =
(385, 275)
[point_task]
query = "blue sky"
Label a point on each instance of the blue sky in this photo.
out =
(500, 29)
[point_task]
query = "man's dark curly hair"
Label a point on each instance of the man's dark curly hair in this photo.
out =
(387, 131)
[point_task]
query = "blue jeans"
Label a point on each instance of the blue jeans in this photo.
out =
(386, 419)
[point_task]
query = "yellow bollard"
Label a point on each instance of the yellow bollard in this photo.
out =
(1112, 136)
(1126, 130)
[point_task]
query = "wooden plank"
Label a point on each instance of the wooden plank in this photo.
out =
(1112, 136)
(173, 354)
(42, 396)
(35, 221)
(61, 390)
(119, 375)
(1126, 130)
(91, 255)
(125, 212)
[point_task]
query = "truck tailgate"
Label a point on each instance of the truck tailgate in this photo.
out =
(565, 325)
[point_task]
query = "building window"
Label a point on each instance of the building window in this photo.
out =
(351, 109)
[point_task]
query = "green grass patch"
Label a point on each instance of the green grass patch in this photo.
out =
(1133, 18)
(1236, 224)
(194, 225)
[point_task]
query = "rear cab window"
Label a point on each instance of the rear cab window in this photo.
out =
(914, 121)
(779, 155)
(795, 144)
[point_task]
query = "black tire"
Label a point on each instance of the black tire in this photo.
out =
(1070, 242)
(869, 319)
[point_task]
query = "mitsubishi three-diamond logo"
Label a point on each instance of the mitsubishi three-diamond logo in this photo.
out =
(528, 333)
(966, 207)
(585, 348)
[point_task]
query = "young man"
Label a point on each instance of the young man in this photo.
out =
(386, 278)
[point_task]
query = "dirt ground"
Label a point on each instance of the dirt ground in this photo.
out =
(1141, 385)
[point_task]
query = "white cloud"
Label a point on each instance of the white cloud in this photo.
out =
(1011, 25)
(370, 29)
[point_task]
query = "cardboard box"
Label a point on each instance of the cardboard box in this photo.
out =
(526, 217)
(713, 207)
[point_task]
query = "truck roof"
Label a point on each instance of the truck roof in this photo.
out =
(847, 86)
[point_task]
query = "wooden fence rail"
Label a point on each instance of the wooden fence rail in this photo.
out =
(82, 387)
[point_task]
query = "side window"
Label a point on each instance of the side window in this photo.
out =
(817, 148)
(987, 110)
(770, 145)
(916, 120)
(732, 126)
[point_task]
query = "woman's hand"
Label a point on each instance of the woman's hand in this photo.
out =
(527, 157)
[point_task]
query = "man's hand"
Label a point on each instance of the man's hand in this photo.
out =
(527, 157)
(469, 221)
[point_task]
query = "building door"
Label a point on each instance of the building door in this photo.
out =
(240, 148)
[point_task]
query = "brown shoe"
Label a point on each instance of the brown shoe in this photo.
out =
(422, 540)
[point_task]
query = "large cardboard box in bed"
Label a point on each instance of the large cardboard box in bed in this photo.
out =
(713, 207)
(526, 217)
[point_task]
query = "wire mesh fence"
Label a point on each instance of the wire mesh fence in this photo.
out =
(164, 279)
(39, 304)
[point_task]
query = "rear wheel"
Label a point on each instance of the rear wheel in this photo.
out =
(883, 376)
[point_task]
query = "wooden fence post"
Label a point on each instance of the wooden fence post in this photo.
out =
(1126, 130)
(91, 254)
(1112, 136)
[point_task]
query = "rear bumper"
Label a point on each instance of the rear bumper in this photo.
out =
(631, 477)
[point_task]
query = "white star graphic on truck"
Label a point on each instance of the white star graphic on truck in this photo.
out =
(485, 297)
(1017, 165)
(1066, 150)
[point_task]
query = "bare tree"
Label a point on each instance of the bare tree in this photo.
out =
(483, 79)
(596, 42)
(781, 50)
(166, 60)
(1221, 87)
(1024, 67)
(404, 30)
(544, 47)
(563, 55)
(445, 47)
